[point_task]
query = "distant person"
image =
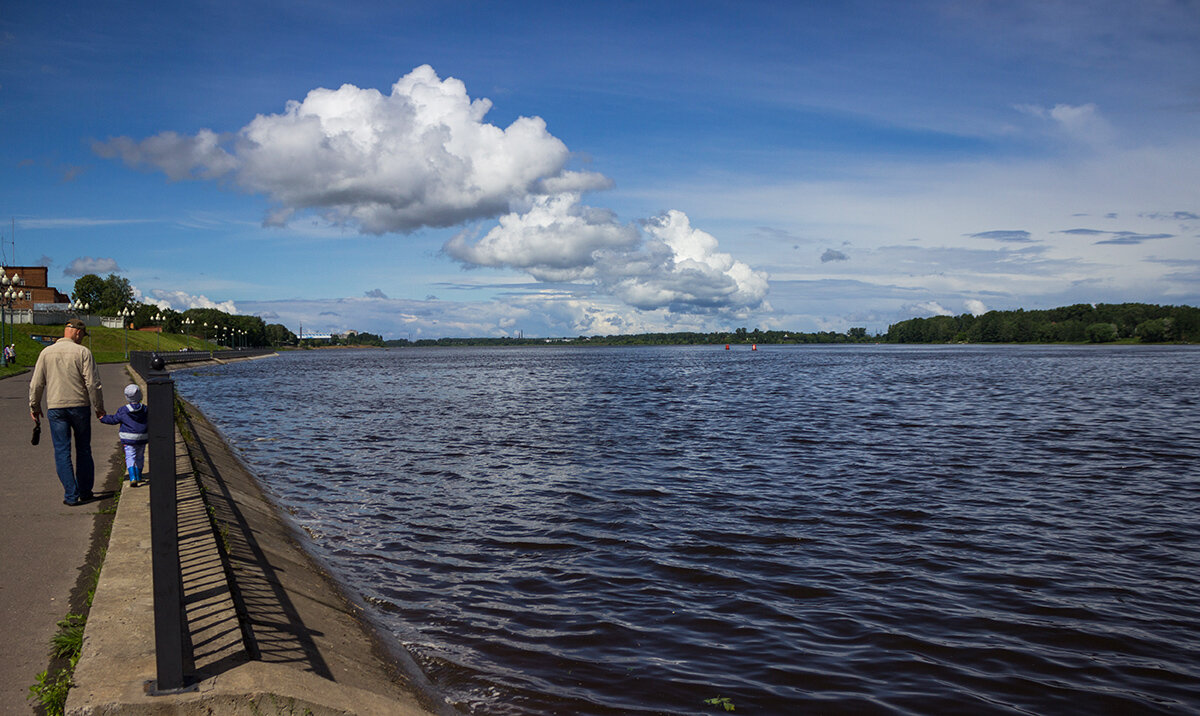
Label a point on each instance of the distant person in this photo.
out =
(66, 372)
(10, 353)
(135, 433)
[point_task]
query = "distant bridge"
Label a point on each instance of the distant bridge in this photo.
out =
(316, 336)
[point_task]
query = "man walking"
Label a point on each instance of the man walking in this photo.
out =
(66, 373)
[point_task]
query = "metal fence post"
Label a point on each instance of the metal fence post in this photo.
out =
(169, 639)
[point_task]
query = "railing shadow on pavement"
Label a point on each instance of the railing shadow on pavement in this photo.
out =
(273, 630)
(173, 648)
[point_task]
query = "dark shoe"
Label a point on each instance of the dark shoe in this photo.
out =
(87, 497)
(76, 503)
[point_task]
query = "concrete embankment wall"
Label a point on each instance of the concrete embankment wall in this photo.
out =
(270, 630)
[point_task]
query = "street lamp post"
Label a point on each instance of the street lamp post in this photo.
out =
(158, 319)
(8, 294)
(187, 332)
(125, 314)
(75, 307)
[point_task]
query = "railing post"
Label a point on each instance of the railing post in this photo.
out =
(169, 618)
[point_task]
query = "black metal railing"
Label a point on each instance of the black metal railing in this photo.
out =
(140, 360)
(171, 645)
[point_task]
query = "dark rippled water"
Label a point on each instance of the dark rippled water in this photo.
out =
(800, 530)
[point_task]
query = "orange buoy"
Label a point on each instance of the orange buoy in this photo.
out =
(726, 346)
(754, 347)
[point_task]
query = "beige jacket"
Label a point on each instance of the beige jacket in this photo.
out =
(66, 372)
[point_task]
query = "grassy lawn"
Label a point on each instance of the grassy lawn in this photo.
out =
(107, 344)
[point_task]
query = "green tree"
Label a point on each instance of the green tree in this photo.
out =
(89, 288)
(116, 294)
(1102, 332)
(277, 334)
(1154, 331)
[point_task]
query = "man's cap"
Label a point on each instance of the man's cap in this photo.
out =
(78, 325)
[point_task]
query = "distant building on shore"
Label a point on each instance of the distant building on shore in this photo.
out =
(33, 287)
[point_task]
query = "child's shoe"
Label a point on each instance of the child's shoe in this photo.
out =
(134, 476)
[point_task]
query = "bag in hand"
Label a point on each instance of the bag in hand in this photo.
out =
(37, 433)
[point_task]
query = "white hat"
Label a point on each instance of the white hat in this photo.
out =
(133, 393)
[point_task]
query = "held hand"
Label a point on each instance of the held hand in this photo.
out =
(36, 415)
(100, 413)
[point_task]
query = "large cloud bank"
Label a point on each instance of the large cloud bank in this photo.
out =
(667, 264)
(421, 156)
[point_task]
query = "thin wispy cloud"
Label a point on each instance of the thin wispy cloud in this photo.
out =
(1173, 215)
(1079, 123)
(1008, 236)
(1118, 238)
(75, 223)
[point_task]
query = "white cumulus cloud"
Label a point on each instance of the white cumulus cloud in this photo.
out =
(181, 301)
(929, 307)
(667, 264)
(694, 275)
(87, 264)
(557, 239)
(420, 156)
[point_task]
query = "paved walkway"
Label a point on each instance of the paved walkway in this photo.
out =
(43, 543)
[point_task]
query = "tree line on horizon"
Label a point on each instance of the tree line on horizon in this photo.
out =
(738, 336)
(109, 296)
(1079, 323)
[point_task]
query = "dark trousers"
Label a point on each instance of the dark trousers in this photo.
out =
(77, 481)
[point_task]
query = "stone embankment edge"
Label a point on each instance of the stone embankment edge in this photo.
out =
(117, 664)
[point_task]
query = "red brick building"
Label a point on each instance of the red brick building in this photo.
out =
(33, 285)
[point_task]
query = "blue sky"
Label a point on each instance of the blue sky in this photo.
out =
(478, 168)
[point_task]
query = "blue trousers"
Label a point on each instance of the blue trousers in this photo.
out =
(77, 481)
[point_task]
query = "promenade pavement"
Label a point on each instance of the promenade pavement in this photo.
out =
(43, 543)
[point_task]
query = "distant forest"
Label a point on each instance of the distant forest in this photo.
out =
(1081, 323)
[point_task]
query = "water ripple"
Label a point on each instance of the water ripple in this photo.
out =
(835, 530)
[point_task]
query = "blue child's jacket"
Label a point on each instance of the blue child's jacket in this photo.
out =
(133, 421)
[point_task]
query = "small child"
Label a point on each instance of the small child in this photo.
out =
(134, 432)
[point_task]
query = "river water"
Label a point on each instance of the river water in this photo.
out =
(838, 529)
